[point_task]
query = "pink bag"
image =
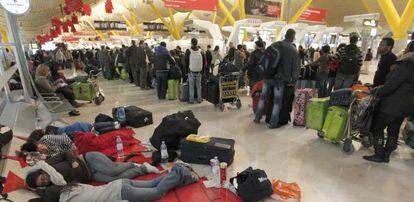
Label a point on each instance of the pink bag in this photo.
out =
(302, 97)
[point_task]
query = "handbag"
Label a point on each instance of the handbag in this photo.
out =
(252, 185)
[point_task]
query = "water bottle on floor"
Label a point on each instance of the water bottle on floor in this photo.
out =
(120, 148)
(164, 153)
(215, 168)
(121, 116)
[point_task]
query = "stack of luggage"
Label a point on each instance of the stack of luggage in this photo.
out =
(306, 90)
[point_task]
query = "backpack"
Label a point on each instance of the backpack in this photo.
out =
(269, 62)
(349, 62)
(174, 73)
(196, 61)
(252, 185)
(6, 135)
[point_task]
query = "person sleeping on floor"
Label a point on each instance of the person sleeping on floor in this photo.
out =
(53, 187)
(55, 140)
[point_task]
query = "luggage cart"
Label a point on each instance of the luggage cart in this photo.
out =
(352, 131)
(229, 90)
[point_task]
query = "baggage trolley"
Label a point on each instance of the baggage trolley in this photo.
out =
(229, 90)
(352, 131)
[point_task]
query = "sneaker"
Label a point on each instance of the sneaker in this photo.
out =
(188, 179)
(74, 113)
(256, 121)
(149, 167)
(374, 158)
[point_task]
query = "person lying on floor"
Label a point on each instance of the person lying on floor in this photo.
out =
(93, 166)
(98, 128)
(48, 145)
(181, 174)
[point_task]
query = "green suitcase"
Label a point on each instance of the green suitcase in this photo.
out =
(316, 110)
(83, 91)
(173, 89)
(335, 124)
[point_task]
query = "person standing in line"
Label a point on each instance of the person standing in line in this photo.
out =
(351, 61)
(163, 59)
(134, 61)
(209, 57)
(142, 64)
(216, 56)
(387, 60)
(230, 52)
(150, 65)
(287, 72)
(367, 62)
(127, 64)
(302, 55)
(195, 60)
(253, 70)
(323, 71)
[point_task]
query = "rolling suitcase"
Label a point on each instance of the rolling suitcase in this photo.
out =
(137, 117)
(184, 92)
(201, 153)
(173, 89)
(335, 124)
(83, 91)
(316, 113)
(302, 97)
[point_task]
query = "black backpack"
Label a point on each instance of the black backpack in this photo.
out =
(252, 185)
(174, 128)
(6, 135)
(349, 62)
(270, 61)
(174, 73)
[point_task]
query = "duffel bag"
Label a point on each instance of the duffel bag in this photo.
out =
(174, 128)
(137, 117)
(252, 185)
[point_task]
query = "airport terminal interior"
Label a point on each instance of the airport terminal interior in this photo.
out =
(207, 100)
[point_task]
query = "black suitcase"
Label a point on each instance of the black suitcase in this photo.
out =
(341, 97)
(213, 93)
(137, 117)
(201, 153)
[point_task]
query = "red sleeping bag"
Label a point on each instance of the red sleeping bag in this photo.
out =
(106, 143)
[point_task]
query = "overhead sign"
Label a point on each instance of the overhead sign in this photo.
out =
(313, 15)
(269, 8)
(370, 23)
(154, 27)
(205, 5)
(110, 25)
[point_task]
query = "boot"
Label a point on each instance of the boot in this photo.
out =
(378, 158)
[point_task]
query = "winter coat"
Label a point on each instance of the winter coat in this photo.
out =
(162, 58)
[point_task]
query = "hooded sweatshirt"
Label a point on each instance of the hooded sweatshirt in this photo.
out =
(161, 59)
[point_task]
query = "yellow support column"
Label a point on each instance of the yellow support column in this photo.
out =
(300, 11)
(174, 27)
(367, 6)
(214, 18)
(242, 10)
(390, 13)
(282, 10)
(158, 13)
(406, 19)
(226, 12)
(185, 19)
(232, 9)
(129, 24)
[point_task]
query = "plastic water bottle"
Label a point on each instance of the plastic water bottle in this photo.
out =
(121, 114)
(164, 152)
(216, 171)
(119, 148)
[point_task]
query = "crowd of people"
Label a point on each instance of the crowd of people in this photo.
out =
(153, 67)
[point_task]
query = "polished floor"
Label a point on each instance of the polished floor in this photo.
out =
(292, 154)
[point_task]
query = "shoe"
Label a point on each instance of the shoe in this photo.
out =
(149, 167)
(191, 103)
(386, 158)
(77, 104)
(374, 158)
(74, 113)
(256, 121)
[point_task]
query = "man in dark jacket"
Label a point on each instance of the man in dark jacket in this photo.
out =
(396, 102)
(387, 60)
(135, 60)
(143, 62)
(161, 61)
(209, 57)
(351, 62)
(287, 72)
(253, 71)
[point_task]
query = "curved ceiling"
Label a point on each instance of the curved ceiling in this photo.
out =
(42, 11)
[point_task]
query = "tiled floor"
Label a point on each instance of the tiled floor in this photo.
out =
(293, 154)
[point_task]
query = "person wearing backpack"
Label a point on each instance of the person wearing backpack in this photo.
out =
(323, 71)
(351, 61)
(195, 63)
(280, 63)
(163, 58)
(253, 70)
